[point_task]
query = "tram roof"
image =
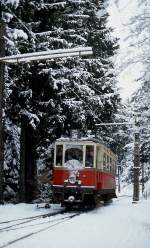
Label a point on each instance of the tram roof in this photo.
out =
(82, 139)
(85, 140)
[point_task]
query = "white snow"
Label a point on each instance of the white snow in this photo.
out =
(13, 2)
(147, 189)
(54, 4)
(120, 224)
(18, 33)
(73, 164)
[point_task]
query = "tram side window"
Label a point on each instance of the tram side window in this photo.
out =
(98, 158)
(107, 162)
(114, 167)
(59, 155)
(110, 164)
(89, 156)
(104, 161)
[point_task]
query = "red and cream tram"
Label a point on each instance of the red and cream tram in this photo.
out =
(84, 171)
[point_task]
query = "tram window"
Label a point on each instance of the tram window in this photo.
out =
(59, 155)
(89, 156)
(98, 158)
(104, 161)
(73, 153)
(107, 162)
(114, 167)
(74, 156)
(110, 164)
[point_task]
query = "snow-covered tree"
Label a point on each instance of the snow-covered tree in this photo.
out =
(133, 57)
(142, 103)
(137, 110)
(133, 63)
(59, 94)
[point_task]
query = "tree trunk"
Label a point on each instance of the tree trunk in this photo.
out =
(28, 170)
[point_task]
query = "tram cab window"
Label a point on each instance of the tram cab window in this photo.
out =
(59, 155)
(89, 156)
(74, 156)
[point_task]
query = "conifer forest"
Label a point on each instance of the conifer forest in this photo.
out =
(74, 123)
(46, 99)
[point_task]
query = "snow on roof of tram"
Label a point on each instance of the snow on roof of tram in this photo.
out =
(93, 140)
(82, 139)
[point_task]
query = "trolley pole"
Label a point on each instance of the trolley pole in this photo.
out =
(136, 168)
(2, 54)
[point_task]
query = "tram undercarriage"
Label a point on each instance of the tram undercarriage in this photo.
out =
(81, 195)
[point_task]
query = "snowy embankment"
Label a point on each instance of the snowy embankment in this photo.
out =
(120, 224)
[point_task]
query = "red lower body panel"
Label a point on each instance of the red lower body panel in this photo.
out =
(88, 177)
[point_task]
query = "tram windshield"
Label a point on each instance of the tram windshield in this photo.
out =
(74, 156)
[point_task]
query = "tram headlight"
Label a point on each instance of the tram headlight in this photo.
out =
(79, 182)
(65, 182)
(72, 179)
(71, 198)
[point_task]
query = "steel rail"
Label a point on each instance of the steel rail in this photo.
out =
(41, 230)
(7, 229)
(34, 217)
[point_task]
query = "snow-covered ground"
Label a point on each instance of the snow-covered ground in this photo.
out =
(121, 224)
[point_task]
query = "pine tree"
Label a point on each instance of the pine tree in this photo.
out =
(59, 94)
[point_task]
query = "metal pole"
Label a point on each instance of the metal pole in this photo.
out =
(136, 168)
(119, 188)
(142, 169)
(2, 53)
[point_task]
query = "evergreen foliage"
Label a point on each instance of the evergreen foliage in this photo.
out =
(133, 59)
(58, 95)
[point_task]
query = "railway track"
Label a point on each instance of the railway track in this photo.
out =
(49, 224)
(36, 216)
(27, 220)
